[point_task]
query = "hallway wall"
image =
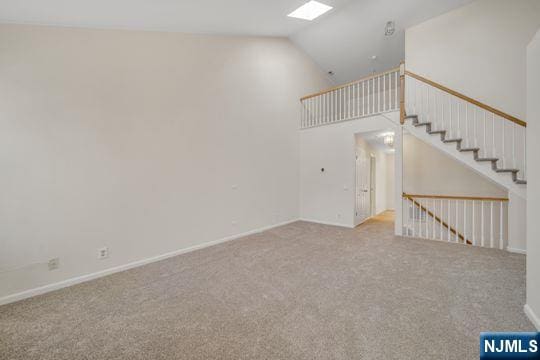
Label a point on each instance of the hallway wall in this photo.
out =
(328, 197)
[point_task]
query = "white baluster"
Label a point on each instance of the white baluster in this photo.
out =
(493, 136)
(459, 121)
(484, 150)
(482, 224)
(433, 219)
(492, 225)
(501, 240)
(379, 93)
(373, 96)
(384, 91)
(363, 98)
(467, 125)
(457, 222)
(442, 219)
(348, 102)
(426, 223)
(416, 219)
(451, 133)
(514, 165)
(503, 154)
(473, 234)
(465, 222)
(475, 130)
(333, 106)
(449, 235)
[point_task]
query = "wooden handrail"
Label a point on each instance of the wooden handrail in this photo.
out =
(450, 197)
(468, 99)
(348, 84)
(438, 219)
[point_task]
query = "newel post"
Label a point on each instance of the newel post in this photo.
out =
(402, 92)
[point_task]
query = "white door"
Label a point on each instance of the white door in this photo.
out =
(363, 203)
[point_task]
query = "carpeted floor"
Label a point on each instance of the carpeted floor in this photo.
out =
(301, 291)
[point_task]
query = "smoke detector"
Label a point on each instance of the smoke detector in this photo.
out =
(390, 28)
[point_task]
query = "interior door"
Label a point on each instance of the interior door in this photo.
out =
(363, 203)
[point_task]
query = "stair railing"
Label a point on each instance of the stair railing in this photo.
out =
(375, 94)
(497, 136)
(477, 221)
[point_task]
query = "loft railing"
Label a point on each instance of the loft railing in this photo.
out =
(497, 136)
(478, 221)
(372, 95)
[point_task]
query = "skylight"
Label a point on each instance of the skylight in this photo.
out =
(310, 10)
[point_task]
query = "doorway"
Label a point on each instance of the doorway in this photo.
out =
(374, 175)
(363, 186)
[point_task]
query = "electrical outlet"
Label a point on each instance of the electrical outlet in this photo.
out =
(53, 264)
(234, 223)
(103, 253)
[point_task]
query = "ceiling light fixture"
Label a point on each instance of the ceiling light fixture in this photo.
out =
(389, 140)
(310, 10)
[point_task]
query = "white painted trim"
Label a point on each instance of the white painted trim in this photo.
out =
(516, 251)
(80, 279)
(327, 223)
(467, 159)
(532, 316)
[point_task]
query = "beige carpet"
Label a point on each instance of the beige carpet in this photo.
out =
(301, 291)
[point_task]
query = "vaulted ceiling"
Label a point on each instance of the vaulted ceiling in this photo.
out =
(227, 17)
(347, 41)
(343, 40)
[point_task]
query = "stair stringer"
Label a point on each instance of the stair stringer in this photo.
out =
(467, 158)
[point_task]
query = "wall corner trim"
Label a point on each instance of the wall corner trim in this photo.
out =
(516, 251)
(532, 316)
(84, 278)
(327, 223)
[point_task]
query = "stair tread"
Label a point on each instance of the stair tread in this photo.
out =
(469, 149)
(452, 140)
(411, 116)
(506, 170)
(437, 132)
(521, 182)
(487, 159)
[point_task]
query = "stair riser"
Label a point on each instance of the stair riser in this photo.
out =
(458, 145)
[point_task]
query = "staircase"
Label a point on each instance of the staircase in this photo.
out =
(475, 150)
(486, 139)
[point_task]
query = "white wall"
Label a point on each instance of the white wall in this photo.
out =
(450, 178)
(478, 49)
(328, 196)
(145, 142)
(533, 186)
(390, 182)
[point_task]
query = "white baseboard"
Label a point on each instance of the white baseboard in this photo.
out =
(516, 251)
(532, 316)
(80, 279)
(326, 223)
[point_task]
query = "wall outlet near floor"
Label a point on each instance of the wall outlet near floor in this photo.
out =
(103, 253)
(53, 264)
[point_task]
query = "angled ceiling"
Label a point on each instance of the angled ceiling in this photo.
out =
(342, 40)
(346, 41)
(231, 17)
